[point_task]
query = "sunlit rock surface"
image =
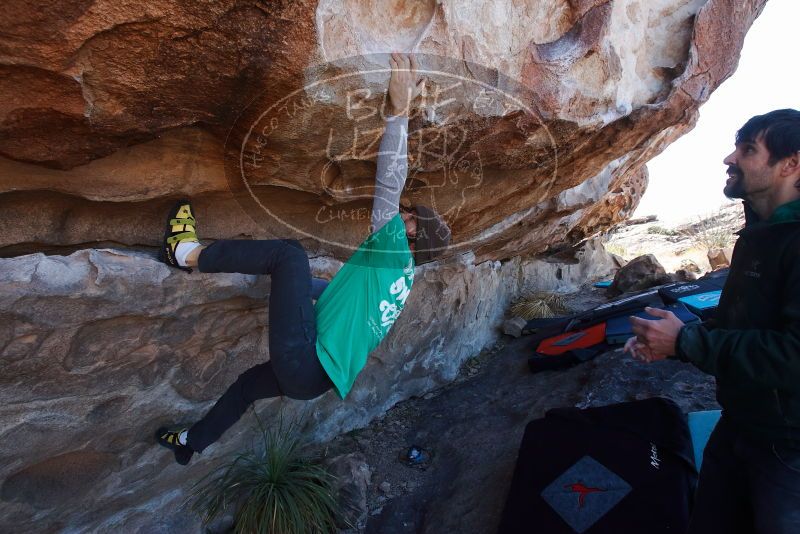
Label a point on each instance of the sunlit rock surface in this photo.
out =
(262, 113)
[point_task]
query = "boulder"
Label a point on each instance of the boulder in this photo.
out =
(513, 327)
(532, 134)
(684, 275)
(640, 273)
(690, 266)
(719, 258)
(619, 261)
(353, 477)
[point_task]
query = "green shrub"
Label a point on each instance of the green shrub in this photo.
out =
(710, 233)
(276, 490)
(619, 250)
(660, 230)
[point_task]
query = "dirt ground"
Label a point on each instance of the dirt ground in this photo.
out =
(473, 429)
(473, 426)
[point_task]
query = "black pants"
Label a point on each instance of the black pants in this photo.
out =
(747, 486)
(293, 369)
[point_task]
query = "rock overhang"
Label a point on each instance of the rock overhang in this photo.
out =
(149, 102)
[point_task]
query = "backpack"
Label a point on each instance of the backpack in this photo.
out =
(621, 468)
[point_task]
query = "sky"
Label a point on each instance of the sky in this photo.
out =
(686, 180)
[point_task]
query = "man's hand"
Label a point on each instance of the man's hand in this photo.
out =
(404, 85)
(655, 340)
(640, 351)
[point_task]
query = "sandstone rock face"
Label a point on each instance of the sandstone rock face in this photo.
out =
(533, 132)
(531, 136)
(101, 347)
(353, 477)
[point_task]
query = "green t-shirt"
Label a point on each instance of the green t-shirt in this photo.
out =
(362, 302)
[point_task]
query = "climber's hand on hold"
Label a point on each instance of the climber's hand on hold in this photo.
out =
(404, 83)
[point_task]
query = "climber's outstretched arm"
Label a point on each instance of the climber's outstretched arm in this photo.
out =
(390, 180)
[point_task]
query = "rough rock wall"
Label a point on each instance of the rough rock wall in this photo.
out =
(101, 347)
(265, 109)
(533, 133)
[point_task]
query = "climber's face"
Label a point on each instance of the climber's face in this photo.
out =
(409, 217)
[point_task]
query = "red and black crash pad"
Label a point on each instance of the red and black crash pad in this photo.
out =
(579, 339)
(568, 349)
(545, 328)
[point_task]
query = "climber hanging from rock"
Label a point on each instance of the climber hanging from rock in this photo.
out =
(314, 348)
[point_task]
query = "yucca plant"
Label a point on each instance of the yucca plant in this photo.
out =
(276, 490)
(539, 305)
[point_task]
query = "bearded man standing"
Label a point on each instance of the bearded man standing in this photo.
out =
(750, 477)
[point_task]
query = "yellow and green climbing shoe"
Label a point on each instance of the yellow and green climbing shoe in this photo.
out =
(171, 440)
(181, 228)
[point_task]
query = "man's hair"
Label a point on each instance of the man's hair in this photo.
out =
(781, 131)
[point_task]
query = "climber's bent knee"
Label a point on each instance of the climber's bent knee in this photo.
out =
(300, 374)
(294, 243)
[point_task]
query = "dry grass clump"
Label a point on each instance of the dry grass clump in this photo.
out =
(716, 230)
(539, 305)
(619, 250)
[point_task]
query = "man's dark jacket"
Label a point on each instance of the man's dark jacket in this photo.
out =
(753, 349)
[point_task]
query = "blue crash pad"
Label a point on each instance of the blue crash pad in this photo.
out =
(701, 424)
